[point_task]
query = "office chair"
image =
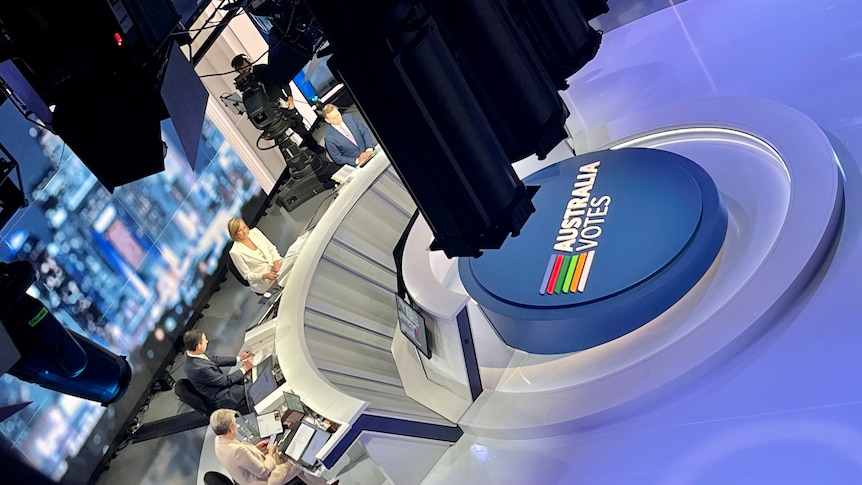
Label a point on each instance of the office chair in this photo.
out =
(187, 393)
(216, 478)
(231, 266)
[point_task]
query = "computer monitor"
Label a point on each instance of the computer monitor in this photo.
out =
(263, 386)
(293, 402)
(315, 79)
(412, 325)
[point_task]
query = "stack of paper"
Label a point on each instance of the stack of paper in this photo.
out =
(269, 424)
(343, 173)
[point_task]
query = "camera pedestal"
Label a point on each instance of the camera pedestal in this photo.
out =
(310, 174)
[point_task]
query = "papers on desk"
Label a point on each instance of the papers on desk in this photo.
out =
(300, 441)
(307, 443)
(269, 424)
(259, 357)
(343, 174)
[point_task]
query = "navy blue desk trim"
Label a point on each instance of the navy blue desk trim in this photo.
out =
(401, 427)
(467, 347)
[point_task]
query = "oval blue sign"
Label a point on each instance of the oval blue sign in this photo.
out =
(617, 238)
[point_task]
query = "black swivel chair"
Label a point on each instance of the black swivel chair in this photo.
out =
(231, 267)
(216, 478)
(187, 393)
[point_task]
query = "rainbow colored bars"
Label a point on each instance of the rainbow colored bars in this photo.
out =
(567, 274)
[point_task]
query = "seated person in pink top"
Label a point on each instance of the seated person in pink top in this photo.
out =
(248, 464)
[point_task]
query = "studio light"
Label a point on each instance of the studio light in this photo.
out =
(51, 355)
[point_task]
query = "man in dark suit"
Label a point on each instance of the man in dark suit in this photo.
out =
(205, 373)
(347, 140)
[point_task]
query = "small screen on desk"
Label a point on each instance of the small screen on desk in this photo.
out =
(293, 402)
(265, 363)
(412, 325)
(263, 386)
(309, 456)
(306, 443)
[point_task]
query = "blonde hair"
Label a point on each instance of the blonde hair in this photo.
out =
(221, 420)
(329, 108)
(233, 226)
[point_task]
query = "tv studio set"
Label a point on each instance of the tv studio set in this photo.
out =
(427, 242)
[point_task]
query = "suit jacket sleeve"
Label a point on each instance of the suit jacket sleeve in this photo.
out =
(208, 374)
(336, 150)
(224, 361)
(365, 134)
(284, 473)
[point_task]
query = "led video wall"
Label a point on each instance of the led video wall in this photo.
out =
(122, 268)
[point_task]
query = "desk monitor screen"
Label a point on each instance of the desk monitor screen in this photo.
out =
(315, 80)
(412, 325)
(264, 363)
(306, 443)
(263, 386)
(293, 402)
(309, 456)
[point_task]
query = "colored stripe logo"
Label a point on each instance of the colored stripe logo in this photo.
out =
(567, 274)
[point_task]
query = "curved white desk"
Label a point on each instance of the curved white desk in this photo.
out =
(336, 319)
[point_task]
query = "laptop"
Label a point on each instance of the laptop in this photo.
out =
(309, 456)
(287, 438)
(262, 387)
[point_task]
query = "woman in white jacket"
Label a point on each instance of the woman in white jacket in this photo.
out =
(256, 258)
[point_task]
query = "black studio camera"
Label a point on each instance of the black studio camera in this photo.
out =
(310, 174)
(264, 114)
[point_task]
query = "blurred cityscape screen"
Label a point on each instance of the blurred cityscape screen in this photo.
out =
(123, 269)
